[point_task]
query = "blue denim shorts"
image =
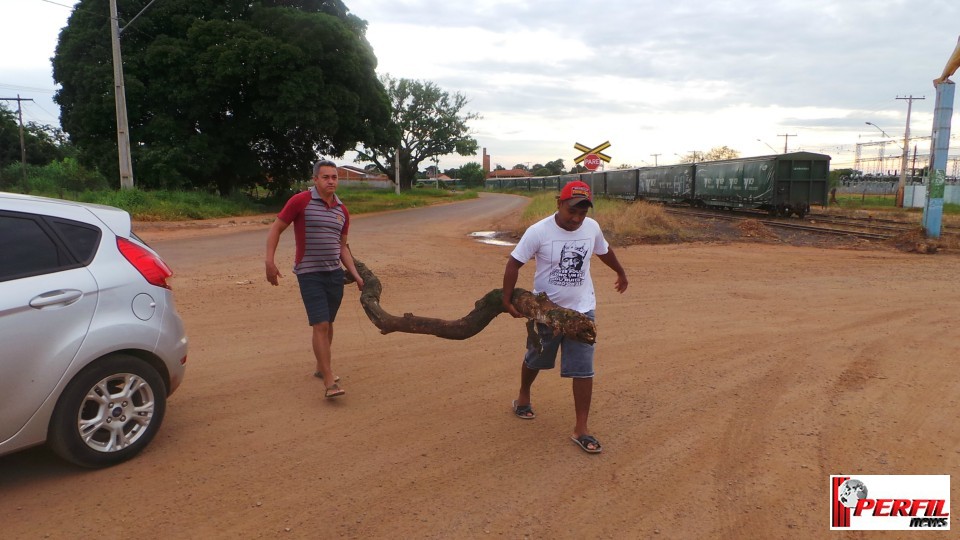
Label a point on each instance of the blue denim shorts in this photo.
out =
(322, 293)
(576, 358)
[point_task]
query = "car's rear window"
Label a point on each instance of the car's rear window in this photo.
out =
(80, 238)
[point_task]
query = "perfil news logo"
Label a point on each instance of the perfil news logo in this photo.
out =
(890, 502)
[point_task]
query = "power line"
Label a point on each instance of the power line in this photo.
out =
(27, 88)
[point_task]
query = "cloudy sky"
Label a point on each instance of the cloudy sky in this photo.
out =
(651, 77)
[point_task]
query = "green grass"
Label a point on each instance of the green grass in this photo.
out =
(623, 222)
(365, 201)
(190, 205)
(883, 202)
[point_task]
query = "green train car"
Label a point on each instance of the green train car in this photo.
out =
(781, 184)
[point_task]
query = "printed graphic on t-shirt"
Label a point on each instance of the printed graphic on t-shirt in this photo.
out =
(569, 272)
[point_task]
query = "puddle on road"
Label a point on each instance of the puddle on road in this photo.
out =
(490, 237)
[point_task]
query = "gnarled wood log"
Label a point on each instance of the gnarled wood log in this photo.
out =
(535, 307)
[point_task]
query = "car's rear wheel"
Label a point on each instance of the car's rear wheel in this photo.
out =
(109, 412)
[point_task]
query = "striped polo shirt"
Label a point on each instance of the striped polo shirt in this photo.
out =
(318, 229)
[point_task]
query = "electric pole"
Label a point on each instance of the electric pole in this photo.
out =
(123, 133)
(654, 159)
(396, 167)
(23, 146)
(906, 145)
(786, 137)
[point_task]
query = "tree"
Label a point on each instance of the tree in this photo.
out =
(841, 176)
(521, 166)
(472, 174)
(42, 143)
(551, 168)
(221, 94)
(719, 152)
(555, 166)
(428, 122)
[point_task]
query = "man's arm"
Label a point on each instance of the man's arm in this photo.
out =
(273, 239)
(347, 258)
(510, 275)
(610, 259)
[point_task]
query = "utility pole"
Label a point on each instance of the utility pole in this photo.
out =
(906, 146)
(123, 130)
(396, 168)
(654, 159)
(786, 137)
(23, 146)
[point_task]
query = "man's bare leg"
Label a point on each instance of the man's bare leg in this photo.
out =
(582, 395)
(527, 376)
(322, 342)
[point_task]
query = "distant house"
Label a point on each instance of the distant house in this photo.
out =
(347, 172)
(357, 177)
(508, 173)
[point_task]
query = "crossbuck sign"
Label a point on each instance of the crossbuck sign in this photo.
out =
(597, 150)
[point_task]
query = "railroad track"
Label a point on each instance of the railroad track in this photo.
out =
(878, 223)
(867, 232)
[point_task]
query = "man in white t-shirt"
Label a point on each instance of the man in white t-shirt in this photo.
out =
(562, 245)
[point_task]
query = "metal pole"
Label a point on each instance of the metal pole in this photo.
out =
(23, 146)
(786, 137)
(123, 135)
(396, 169)
(940, 147)
(906, 152)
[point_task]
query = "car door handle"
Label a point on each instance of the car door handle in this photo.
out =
(53, 298)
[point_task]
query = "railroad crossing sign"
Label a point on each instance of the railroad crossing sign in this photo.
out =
(587, 151)
(591, 162)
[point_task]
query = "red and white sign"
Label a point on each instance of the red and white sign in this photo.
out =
(889, 502)
(592, 162)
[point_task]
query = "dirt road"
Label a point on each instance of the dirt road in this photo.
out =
(733, 379)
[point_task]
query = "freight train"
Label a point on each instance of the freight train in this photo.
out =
(782, 184)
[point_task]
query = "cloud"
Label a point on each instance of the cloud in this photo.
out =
(651, 77)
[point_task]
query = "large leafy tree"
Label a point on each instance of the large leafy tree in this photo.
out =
(427, 121)
(221, 93)
(472, 174)
(550, 168)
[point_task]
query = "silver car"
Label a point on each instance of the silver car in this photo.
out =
(90, 342)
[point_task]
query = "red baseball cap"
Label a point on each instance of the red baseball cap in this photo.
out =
(576, 193)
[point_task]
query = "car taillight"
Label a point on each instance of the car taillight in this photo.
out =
(154, 270)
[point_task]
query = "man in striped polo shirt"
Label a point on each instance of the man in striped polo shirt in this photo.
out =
(320, 223)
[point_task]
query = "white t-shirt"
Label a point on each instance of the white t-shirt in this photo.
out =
(563, 261)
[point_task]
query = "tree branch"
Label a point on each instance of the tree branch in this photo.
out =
(537, 308)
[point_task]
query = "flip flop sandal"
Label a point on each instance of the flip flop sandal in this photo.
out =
(524, 412)
(584, 442)
(334, 391)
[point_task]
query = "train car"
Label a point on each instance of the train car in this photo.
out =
(620, 184)
(781, 184)
(666, 183)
